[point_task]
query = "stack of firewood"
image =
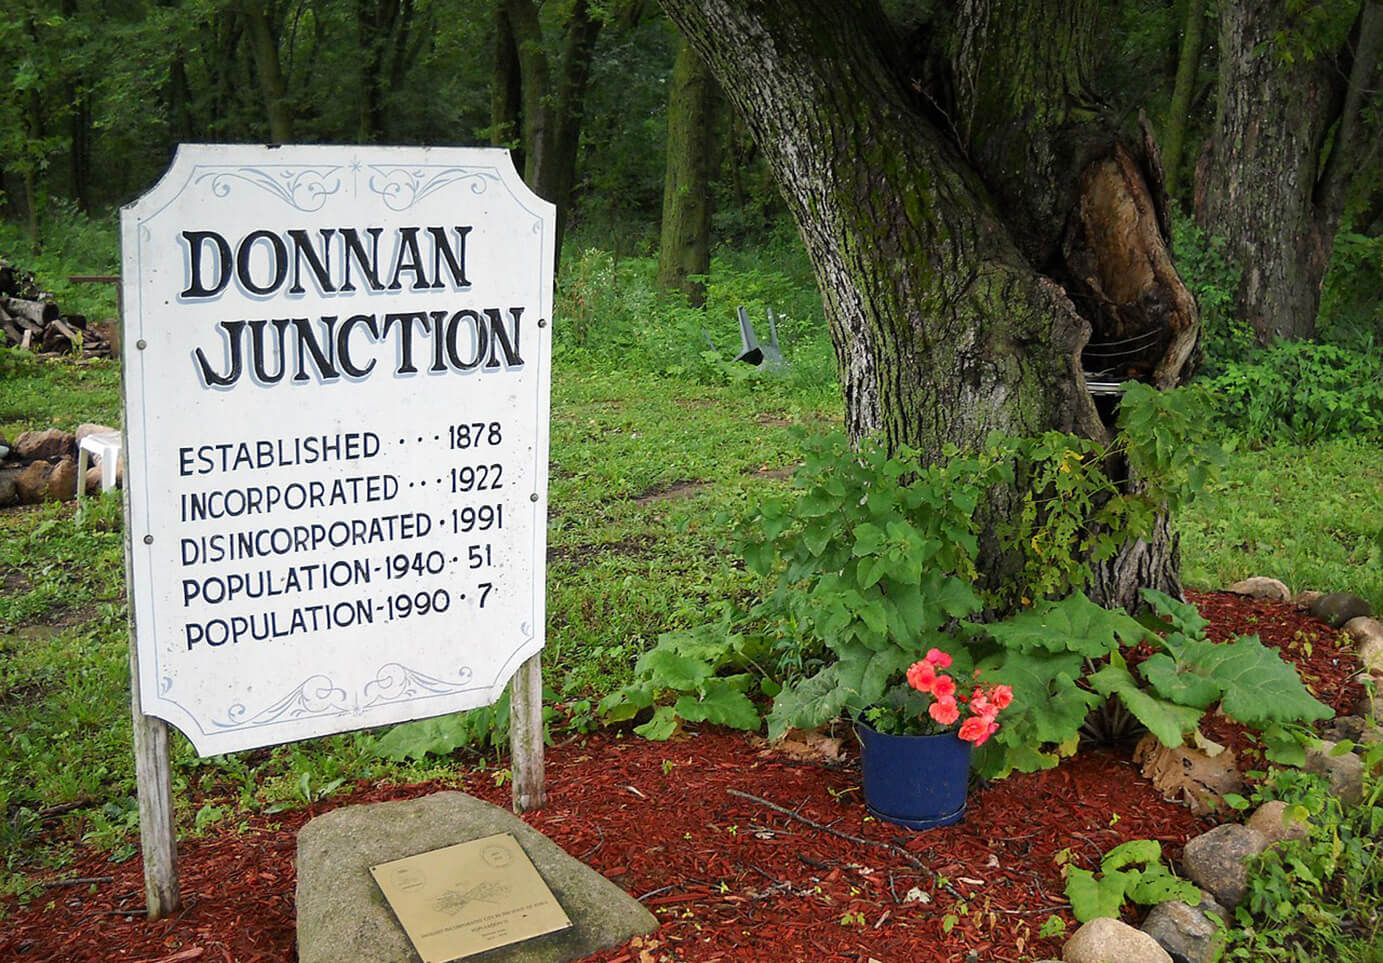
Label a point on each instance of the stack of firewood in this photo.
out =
(31, 320)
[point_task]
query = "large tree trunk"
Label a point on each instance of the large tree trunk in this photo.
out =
(271, 84)
(1289, 134)
(684, 250)
(947, 318)
(1179, 110)
(506, 90)
(553, 110)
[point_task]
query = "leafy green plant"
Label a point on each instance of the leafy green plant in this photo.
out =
(1319, 898)
(1214, 280)
(1301, 392)
(1132, 871)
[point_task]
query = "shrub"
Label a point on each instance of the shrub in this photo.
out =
(1301, 392)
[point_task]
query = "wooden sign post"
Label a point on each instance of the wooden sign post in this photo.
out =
(336, 373)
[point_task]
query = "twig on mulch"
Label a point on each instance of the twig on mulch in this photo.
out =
(898, 851)
(78, 881)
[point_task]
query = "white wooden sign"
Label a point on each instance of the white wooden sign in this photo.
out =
(337, 367)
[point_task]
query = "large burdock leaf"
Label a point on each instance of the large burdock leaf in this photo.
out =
(1075, 624)
(1167, 720)
(1259, 688)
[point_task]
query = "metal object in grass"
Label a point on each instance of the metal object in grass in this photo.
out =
(755, 352)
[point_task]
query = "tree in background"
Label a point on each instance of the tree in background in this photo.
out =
(553, 95)
(1292, 128)
(684, 251)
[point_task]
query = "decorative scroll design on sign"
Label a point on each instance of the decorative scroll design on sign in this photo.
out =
(402, 187)
(315, 696)
(319, 696)
(305, 188)
(395, 683)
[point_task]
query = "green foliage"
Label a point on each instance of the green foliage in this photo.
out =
(74, 243)
(1132, 871)
(1351, 314)
(1214, 281)
(1302, 392)
(609, 312)
(1320, 898)
(478, 729)
(873, 563)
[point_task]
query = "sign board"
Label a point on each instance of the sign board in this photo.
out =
(337, 365)
(468, 898)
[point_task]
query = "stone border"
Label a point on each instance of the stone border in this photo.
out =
(1216, 860)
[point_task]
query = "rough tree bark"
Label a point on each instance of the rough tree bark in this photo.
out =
(947, 310)
(553, 108)
(684, 249)
(1290, 132)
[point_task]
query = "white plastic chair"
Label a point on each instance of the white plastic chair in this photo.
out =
(105, 445)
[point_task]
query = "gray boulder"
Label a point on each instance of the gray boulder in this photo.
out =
(50, 443)
(1345, 771)
(9, 492)
(1186, 932)
(1363, 629)
(1216, 861)
(1261, 587)
(1103, 940)
(342, 915)
(1269, 819)
(1337, 608)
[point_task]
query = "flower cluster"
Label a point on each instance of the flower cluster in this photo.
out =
(984, 703)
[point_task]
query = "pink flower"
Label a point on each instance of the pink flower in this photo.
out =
(981, 706)
(1001, 696)
(939, 659)
(944, 711)
(977, 730)
(944, 687)
(921, 676)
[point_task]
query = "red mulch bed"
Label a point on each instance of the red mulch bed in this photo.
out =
(730, 879)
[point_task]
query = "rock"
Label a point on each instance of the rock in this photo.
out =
(1371, 655)
(32, 482)
(1102, 940)
(53, 443)
(1362, 628)
(1188, 774)
(1304, 600)
(1261, 587)
(9, 492)
(62, 481)
(93, 481)
(1356, 728)
(1268, 820)
(1345, 771)
(1186, 932)
(343, 916)
(1215, 861)
(1337, 608)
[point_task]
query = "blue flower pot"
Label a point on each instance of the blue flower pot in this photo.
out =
(914, 781)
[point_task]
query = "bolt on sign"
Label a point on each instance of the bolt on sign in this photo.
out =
(337, 365)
